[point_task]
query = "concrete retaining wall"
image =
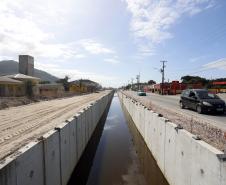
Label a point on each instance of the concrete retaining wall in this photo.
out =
(52, 159)
(182, 159)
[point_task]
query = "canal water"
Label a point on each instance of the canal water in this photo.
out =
(117, 154)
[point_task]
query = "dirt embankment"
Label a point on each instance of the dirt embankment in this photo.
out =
(20, 125)
(203, 129)
(6, 102)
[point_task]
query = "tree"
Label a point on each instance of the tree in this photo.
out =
(194, 79)
(151, 82)
(65, 82)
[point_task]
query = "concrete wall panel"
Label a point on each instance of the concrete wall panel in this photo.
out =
(150, 115)
(206, 167)
(142, 120)
(93, 118)
(223, 171)
(50, 160)
(154, 135)
(146, 113)
(78, 118)
(83, 130)
(170, 149)
(30, 165)
(160, 140)
(64, 130)
(90, 121)
(73, 142)
(183, 156)
(8, 172)
(182, 159)
(51, 142)
(85, 124)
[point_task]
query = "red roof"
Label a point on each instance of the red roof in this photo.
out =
(219, 83)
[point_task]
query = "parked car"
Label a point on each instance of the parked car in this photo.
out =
(201, 101)
(141, 93)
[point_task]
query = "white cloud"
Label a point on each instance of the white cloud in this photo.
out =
(23, 31)
(198, 59)
(152, 19)
(38, 27)
(218, 64)
(80, 56)
(95, 47)
(111, 60)
(146, 50)
(75, 74)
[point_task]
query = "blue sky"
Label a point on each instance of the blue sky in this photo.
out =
(111, 41)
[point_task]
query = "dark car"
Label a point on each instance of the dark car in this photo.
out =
(141, 93)
(201, 101)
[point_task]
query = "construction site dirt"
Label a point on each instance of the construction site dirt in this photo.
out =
(23, 124)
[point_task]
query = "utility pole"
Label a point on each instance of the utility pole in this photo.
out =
(163, 74)
(138, 81)
(131, 83)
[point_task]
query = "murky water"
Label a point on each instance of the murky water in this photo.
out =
(117, 154)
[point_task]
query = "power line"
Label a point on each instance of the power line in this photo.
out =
(207, 69)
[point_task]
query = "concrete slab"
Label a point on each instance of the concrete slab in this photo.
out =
(51, 141)
(160, 140)
(86, 126)
(64, 130)
(182, 159)
(183, 154)
(206, 167)
(150, 129)
(89, 121)
(223, 171)
(154, 135)
(170, 149)
(30, 165)
(83, 130)
(79, 140)
(8, 171)
(73, 143)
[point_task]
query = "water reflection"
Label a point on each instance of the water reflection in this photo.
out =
(148, 165)
(115, 162)
(81, 172)
(117, 154)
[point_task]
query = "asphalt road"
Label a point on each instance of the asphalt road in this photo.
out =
(172, 102)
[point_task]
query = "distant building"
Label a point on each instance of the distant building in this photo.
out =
(49, 90)
(11, 87)
(26, 65)
(15, 84)
(174, 87)
(83, 86)
(24, 78)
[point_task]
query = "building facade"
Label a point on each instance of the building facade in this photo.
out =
(26, 65)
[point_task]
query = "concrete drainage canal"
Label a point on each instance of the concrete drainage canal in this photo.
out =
(117, 154)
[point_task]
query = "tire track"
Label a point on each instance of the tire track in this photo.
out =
(31, 121)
